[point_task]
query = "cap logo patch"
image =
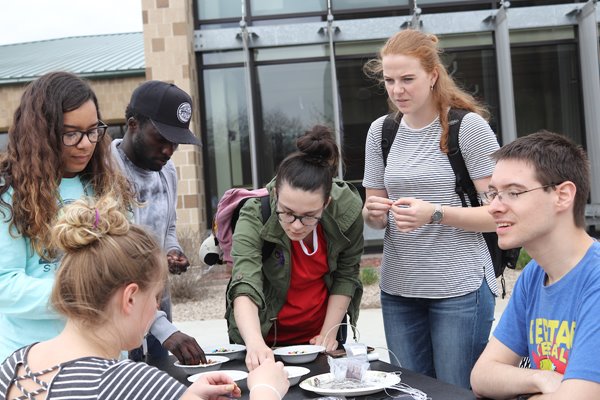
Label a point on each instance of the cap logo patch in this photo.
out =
(184, 112)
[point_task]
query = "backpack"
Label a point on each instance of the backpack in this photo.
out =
(501, 259)
(216, 248)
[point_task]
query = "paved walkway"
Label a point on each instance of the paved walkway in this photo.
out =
(370, 327)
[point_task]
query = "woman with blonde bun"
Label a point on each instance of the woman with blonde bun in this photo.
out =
(108, 287)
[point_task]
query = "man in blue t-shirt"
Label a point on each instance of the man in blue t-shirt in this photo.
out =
(537, 196)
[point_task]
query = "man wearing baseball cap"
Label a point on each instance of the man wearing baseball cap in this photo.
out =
(158, 119)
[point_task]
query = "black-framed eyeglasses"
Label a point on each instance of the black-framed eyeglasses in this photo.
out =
(508, 196)
(94, 135)
(289, 218)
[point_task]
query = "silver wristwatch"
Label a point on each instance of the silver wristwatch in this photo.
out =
(437, 215)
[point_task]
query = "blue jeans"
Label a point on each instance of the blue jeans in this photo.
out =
(441, 338)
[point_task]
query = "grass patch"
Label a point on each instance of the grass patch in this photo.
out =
(369, 276)
(524, 258)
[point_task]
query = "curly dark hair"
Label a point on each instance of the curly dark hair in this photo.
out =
(32, 164)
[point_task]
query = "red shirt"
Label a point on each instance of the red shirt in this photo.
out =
(303, 314)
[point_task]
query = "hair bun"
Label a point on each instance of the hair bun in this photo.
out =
(84, 222)
(318, 147)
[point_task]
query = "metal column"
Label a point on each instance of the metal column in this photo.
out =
(331, 30)
(245, 36)
(505, 82)
(588, 54)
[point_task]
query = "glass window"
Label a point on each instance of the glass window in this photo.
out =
(227, 148)
(356, 48)
(3, 140)
(293, 98)
(211, 9)
(547, 87)
(275, 7)
(542, 35)
(475, 71)
(223, 57)
(291, 52)
(357, 4)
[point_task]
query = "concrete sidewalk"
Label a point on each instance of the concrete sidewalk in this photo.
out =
(370, 327)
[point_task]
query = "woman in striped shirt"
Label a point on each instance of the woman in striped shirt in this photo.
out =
(108, 287)
(437, 278)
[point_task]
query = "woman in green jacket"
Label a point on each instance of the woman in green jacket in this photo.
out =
(303, 290)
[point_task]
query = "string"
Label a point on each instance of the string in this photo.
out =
(416, 394)
(340, 324)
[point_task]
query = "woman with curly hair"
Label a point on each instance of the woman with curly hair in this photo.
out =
(57, 152)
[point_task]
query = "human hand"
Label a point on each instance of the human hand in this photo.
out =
(185, 348)
(213, 386)
(330, 343)
(177, 262)
(256, 354)
(377, 207)
(410, 213)
(269, 375)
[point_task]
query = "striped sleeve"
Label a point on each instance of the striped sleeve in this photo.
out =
(477, 142)
(139, 381)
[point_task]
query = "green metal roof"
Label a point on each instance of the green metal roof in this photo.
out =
(87, 56)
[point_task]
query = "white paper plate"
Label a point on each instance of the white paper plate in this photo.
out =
(377, 381)
(234, 374)
(300, 354)
(233, 351)
(295, 373)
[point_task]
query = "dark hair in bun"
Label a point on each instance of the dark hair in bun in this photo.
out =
(314, 165)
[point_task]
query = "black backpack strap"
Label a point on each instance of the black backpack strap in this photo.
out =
(265, 211)
(464, 184)
(391, 123)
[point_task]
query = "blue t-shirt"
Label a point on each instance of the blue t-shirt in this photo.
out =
(557, 326)
(26, 281)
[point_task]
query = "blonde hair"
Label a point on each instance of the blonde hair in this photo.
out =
(103, 252)
(446, 94)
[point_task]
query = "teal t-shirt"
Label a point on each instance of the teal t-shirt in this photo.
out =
(26, 282)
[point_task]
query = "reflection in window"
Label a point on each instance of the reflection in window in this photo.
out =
(293, 98)
(547, 88)
(226, 149)
(357, 4)
(274, 7)
(211, 9)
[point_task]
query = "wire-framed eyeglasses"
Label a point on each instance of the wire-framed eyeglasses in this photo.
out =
(94, 135)
(289, 218)
(508, 196)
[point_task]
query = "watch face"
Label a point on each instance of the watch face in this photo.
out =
(437, 215)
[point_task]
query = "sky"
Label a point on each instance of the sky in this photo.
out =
(33, 20)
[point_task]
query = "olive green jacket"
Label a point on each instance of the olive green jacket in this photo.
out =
(267, 285)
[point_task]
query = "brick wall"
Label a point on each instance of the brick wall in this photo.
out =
(113, 96)
(170, 57)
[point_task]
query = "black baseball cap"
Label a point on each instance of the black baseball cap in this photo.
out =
(169, 108)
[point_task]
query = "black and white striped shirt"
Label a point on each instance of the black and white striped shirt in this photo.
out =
(433, 261)
(98, 378)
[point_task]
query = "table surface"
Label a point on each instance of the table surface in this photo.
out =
(435, 389)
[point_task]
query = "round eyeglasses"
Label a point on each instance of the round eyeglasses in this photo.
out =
(289, 218)
(94, 135)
